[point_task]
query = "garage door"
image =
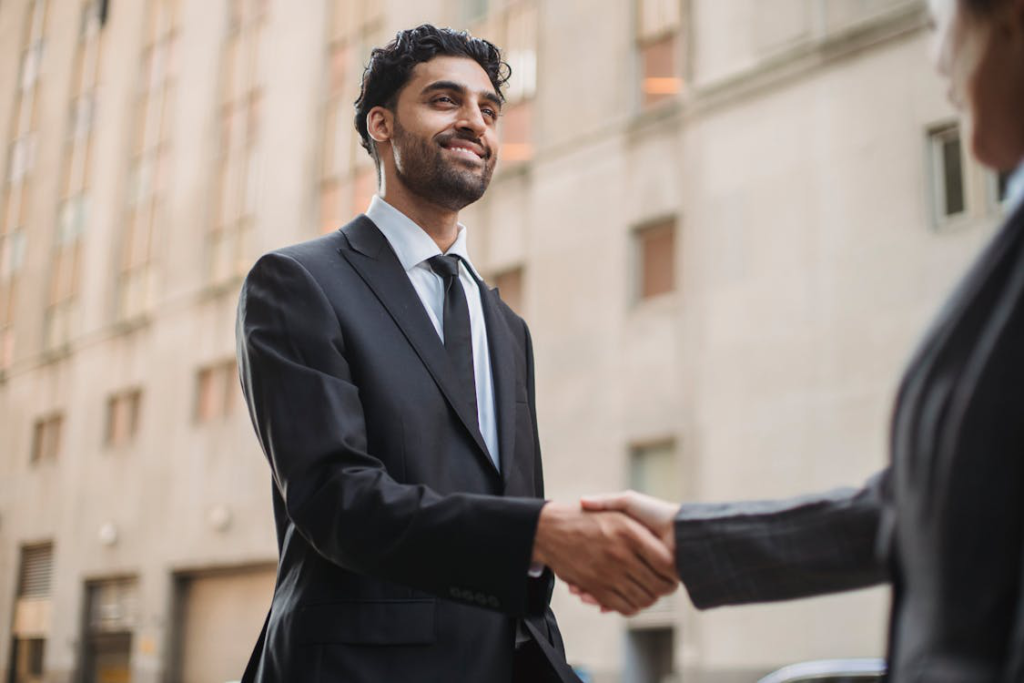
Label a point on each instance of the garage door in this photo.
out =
(221, 618)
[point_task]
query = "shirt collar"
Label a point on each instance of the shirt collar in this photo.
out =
(412, 245)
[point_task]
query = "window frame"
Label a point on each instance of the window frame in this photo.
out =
(936, 137)
(671, 222)
(47, 438)
(671, 30)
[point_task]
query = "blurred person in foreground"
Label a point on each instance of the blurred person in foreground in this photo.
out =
(392, 392)
(944, 523)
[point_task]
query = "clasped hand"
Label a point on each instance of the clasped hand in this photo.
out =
(616, 551)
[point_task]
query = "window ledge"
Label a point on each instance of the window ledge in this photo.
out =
(967, 222)
(656, 305)
(55, 353)
(132, 323)
(216, 290)
(666, 113)
(812, 53)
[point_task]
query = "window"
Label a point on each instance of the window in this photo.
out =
(1002, 186)
(65, 267)
(948, 186)
(111, 618)
(216, 391)
(113, 606)
(148, 176)
(22, 157)
(347, 176)
(31, 61)
(653, 469)
(513, 28)
(36, 571)
(32, 614)
(229, 239)
(123, 410)
(655, 255)
(46, 438)
(650, 655)
(16, 193)
(510, 287)
(658, 47)
(28, 660)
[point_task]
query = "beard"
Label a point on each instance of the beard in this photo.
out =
(424, 168)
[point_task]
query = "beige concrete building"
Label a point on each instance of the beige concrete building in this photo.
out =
(727, 221)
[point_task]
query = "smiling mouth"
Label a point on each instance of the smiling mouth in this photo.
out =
(463, 152)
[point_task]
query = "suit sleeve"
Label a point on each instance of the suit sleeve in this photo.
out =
(737, 553)
(339, 497)
(531, 392)
(542, 584)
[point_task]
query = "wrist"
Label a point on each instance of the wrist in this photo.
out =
(550, 514)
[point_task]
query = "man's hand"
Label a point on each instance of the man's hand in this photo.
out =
(605, 554)
(655, 514)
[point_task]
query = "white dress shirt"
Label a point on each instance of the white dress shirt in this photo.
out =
(414, 247)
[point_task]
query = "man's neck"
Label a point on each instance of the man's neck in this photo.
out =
(442, 225)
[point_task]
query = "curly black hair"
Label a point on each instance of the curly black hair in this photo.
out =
(390, 68)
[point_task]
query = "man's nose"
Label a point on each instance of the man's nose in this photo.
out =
(472, 120)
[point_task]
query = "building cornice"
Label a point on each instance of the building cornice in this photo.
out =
(807, 57)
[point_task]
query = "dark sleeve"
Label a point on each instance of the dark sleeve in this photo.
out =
(736, 553)
(531, 393)
(541, 587)
(340, 498)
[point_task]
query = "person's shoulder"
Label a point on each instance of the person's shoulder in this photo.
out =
(313, 250)
(318, 252)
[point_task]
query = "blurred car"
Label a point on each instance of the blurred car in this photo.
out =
(829, 671)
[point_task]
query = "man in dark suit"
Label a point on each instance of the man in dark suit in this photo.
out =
(393, 395)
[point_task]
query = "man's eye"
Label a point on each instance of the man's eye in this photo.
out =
(490, 113)
(444, 99)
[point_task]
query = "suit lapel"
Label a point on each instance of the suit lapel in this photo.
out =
(372, 257)
(503, 365)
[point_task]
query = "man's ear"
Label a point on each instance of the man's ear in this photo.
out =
(380, 124)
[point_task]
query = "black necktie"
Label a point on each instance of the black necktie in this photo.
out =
(458, 340)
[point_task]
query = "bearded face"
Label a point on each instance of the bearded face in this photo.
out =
(451, 169)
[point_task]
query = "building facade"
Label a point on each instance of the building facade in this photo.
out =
(726, 223)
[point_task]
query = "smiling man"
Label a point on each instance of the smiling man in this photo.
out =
(393, 394)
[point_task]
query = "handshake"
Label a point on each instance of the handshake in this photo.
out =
(616, 551)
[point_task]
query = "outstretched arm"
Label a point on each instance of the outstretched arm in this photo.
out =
(736, 553)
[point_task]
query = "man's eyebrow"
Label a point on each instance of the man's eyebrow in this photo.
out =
(488, 95)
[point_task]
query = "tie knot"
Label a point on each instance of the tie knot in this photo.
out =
(447, 266)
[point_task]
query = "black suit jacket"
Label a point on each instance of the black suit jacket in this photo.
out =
(944, 523)
(404, 552)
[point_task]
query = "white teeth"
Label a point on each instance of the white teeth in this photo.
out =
(465, 152)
